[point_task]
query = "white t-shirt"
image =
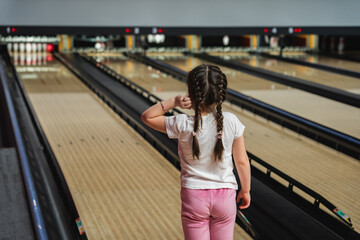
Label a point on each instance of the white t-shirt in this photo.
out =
(205, 172)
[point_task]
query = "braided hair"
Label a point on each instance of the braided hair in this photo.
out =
(207, 87)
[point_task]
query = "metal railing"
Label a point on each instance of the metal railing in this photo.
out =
(43, 165)
(32, 195)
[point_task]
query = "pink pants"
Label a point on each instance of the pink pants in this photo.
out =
(208, 213)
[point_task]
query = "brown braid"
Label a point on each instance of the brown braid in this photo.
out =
(221, 87)
(196, 148)
(207, 86)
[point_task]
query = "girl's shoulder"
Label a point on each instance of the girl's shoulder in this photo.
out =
(231, 121)
(177, 124)
(229, 115)
(183, 117)
(231, 118)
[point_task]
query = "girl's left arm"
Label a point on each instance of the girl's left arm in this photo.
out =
(154, 116)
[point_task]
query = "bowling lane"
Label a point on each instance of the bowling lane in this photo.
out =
(315, 165)
(122, 187)
(355, 54)
(334, 62)
(324, 60)
(339, 116)
(350, 84)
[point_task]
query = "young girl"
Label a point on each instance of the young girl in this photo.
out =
(206, 142)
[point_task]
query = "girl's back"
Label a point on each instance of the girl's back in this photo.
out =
(205, 172)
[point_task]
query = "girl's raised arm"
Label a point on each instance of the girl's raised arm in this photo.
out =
(154, 116)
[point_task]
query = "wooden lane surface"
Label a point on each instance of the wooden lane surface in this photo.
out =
(245, 54)
(339, 116)
(122, 187)
(334, 62)
(298, 54)
(346, 83)
(119, 54)
(355, 54)
(326, 171)
(164, 53)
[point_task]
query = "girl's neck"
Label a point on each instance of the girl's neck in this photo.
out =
(207, 110)
(210, 110)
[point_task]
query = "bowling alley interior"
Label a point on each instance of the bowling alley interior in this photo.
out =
(77, 161)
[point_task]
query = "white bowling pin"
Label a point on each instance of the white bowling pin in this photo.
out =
(226, 40)
(28, 47)
(33, 47)
(22, 59)
(22, 47)
(34, 58)
(39, 46)
(9, 47)
(28, 59)
(39, 58)
(16, 58)
(44, 54)
(16, 47)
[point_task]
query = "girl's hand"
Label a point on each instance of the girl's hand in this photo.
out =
(183, 101)
(245, 202)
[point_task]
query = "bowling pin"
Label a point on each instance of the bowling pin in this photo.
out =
(39, 47)
(33, 47)
(226, 40)
(16, 57)
(28, 59)
(163, 38)
(97, 46)
(157, 38)
(22, 47)
(44, 54)
(16, 47)
(39, 57)
(22, 58)
(9, 47)
(34, 58)
(28, 47)
(150, 38)
(341, 45)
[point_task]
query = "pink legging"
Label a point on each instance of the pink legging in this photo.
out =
(208, 213)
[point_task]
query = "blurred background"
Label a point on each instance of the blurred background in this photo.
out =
(76, 162)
